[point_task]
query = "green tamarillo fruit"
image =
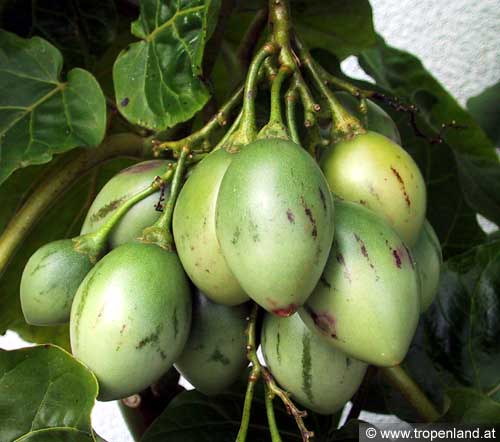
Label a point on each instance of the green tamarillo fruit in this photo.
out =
(318, 376)
(194, 231)
(376, 118)
(429, 258)
(374, 171)
(214, 356)
(367, 302)
(131, 317)
(50, 280)
(274, 223)
(116, 191)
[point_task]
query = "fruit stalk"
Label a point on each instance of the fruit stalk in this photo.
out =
(291, 101)
(271, 418)
(400, 379)
(345, 125)
(56, 184)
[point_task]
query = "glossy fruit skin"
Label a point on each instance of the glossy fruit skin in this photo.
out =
(119, 188)
(274, 223)
(367, 302)
(429, 258)
(131, 317)
(50, 280)
(214, 356)
(372, 170)
(318, 376)
(377, 119)
(194, 231)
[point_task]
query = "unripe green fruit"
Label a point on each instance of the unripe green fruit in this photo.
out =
(215, 354)
(117, 190)
(131, 317)
(372, 170)
(318, 376)
(194, 232)
(274, 223)
(377, 119)
(429, 258)
(367, 302)
(50, 280)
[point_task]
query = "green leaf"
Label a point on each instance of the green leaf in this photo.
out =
(463, 324)
(341, 27)
(157, 82)
(477, 161)
(63, 220)
(39, 114)
(80, 29)
(45, 395)
(484, 108)
(469, 406)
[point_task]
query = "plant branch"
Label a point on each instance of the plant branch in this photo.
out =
(398, 377)
(56, 184)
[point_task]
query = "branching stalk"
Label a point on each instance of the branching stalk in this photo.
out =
(272, 389)
(58, 183)
(398, 377)
(311, 108)
(220, 119)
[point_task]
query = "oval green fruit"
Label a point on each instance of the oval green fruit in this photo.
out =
(377, 119)
(215, 354)
(131, 317)
(50, 280)
(429, 258)
(318, 376)
(372, 170)
(194, 231)
(274, 223)
(367, 301)
(116, 191)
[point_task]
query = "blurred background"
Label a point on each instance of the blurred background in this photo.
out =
(457, 41)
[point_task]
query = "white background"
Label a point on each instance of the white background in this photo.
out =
(457, 41)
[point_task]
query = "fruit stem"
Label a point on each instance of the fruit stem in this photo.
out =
(227, 136)
(276, 116)
(94, 244)
(271, 418)
(345, 125)
(308, 103)
(220, 119)
(343, 84)
(160, 233)
(279, 18)
(400, 379)
(59, 181)
(291, 101)
(248, 129)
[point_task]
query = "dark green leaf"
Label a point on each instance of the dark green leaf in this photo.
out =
(63, 220)
(39, 114)
(45, 395)
(341, 27)
(486, 111)
(469, 406)
(404, 75)
(463, 324)
(156, 79)
(80, 29)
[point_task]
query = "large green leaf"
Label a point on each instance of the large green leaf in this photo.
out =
(157, 82)
(486, 111)
(80, 29)
(404, 75)
(45, 395)
(39, 114)
(63, 220)
(463, 324)
(341, 27)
